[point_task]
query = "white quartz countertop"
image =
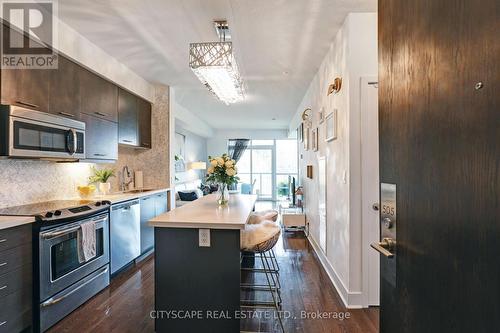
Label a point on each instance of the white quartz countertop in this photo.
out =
(14, 221)
(125, 196)
(205, 213)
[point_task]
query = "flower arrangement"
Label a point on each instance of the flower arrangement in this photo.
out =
(222, 171)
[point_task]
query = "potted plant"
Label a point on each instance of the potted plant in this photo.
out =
(222, 171)
(102, 176)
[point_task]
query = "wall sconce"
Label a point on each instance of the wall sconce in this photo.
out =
(335, 86)
(309, 171)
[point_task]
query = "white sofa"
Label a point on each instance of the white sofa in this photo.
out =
(189, 186)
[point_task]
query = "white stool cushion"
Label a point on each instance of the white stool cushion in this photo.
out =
(257, 217)
(254, 234)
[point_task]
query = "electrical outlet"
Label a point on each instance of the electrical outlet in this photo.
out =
(204, 237)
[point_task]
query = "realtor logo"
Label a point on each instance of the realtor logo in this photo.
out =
(28, 35)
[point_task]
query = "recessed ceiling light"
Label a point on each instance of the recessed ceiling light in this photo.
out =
(286, 72)
(273, 119)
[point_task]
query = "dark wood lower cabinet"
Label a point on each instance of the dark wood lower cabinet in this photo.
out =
(16, 284)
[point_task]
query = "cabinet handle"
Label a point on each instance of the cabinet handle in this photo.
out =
(3, 264)
(2, 288)
(67, 114)
(101, 114)
(28, 104)
(100, 155)
(129, 141)
(3, 323)
(3, 240)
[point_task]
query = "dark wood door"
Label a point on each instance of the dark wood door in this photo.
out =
(144, 109)
(99, 97)
(440, 144)
(101, 138)
(64, 92)
(127, 118)
(24, 87)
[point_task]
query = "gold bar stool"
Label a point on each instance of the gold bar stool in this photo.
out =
(263, 249)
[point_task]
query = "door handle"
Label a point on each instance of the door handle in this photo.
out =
(385, 247)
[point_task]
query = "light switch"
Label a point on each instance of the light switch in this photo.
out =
(204, 237)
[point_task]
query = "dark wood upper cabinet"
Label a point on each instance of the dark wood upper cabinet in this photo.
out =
(144, 109)
(24, 87)
(99, 97)
(127, 118)
(101, 138)
(64, 89)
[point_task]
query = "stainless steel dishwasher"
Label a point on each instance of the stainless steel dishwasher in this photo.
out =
(125, 233)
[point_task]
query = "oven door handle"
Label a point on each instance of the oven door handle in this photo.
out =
(68, 230)
(53, 301)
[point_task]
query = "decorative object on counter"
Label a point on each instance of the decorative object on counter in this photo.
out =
(139, 179)
(85, 191)
(314, 143)
(102, 176)
(309, 171)
(321, 115)
(335, 86)
(331, 126)
(222, 171)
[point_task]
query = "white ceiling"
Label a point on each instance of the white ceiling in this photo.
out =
(279, 45)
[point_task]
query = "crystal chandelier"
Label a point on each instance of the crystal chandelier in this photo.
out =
(215, 66)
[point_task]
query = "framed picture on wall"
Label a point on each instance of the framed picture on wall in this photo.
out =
(331, 126)
(314, 144)
(306, 139)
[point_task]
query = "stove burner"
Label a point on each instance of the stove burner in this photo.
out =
(58, 210)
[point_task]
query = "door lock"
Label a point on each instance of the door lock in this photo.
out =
(386, 247)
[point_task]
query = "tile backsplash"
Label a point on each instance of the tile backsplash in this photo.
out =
(28, 181)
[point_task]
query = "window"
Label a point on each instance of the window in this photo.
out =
(271, 164)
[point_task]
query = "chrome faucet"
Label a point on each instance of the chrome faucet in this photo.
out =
(123, 183)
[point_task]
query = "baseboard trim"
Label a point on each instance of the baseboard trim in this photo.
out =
(351, 300)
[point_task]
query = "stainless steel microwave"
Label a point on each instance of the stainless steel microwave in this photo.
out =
(25, 133)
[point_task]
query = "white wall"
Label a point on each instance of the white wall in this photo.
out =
(352, 55)
(217, 144)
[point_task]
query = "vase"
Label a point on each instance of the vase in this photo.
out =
(222, 195)
(104, 188)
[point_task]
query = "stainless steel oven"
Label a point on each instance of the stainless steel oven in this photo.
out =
(25, 133)
(58, 255)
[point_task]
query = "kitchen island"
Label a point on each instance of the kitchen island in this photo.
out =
(197, 265)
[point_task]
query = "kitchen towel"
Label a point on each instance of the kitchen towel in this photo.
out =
(86, 241)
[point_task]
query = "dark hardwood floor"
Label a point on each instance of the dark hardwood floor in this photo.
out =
(125, 306)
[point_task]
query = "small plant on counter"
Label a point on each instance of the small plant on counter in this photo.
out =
(222, 171)
(102, 177)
